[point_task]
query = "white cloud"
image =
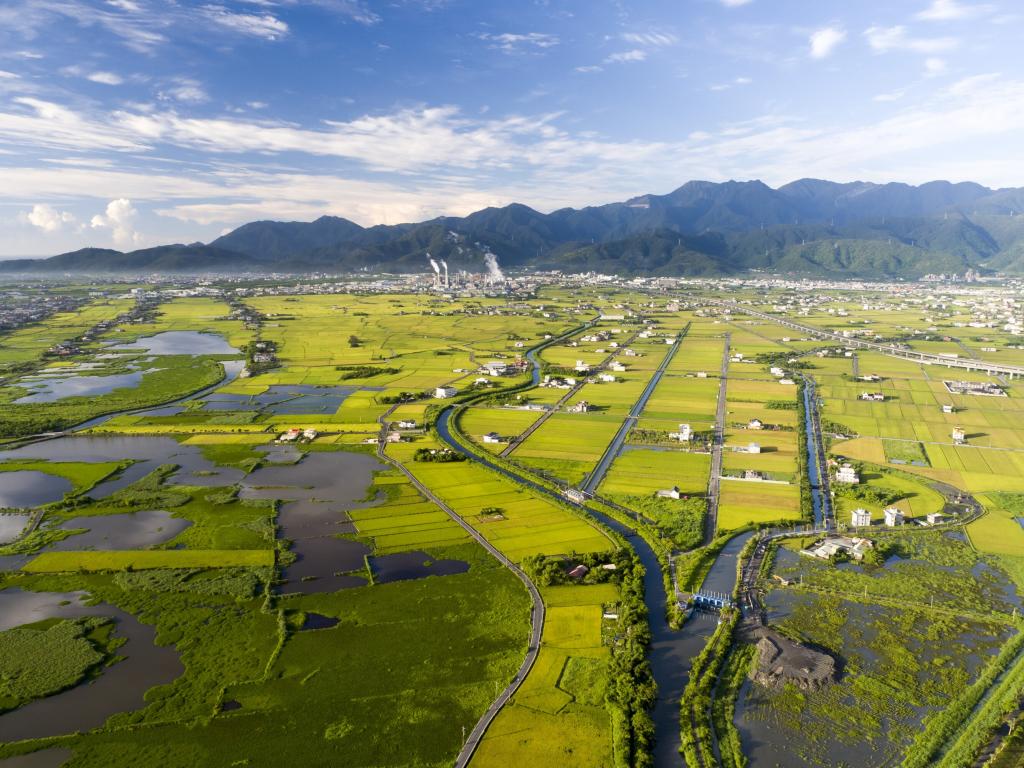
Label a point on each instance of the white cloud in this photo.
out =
(125, 5)
(120, 219)
(414, 164)
(257, 104)
(626, 56)
(735, 3)
(590, 68)
(47, 218)
(106, 78)
(38, 123)
(934, 66)
(4, 75)
(825, 40)
(953, 10)
(884, 39)
(262, 26)
(511, 42)
(650, 39)
(185, 90)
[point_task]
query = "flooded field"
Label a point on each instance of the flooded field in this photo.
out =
(402, 566)
(120, 687)
(73, 385)
(137, 530)
(30, 488)
(148, 453)
(180, 343)
(896, 663)
(11, 526)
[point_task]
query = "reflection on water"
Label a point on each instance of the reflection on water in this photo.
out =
(79, 386)
(30, 488)
(120, 688)
(11, 526)
(403, 566)
(147, 452)
(181, 343)
(135, 530)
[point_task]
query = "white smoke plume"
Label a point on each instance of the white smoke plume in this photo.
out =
(444, 265)
(493, 270)
(437, 269)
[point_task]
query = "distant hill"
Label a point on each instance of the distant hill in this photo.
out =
(808, 227)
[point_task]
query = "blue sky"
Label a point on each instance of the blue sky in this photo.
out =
(127, 123)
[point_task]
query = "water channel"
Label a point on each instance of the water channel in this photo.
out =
(670, 652)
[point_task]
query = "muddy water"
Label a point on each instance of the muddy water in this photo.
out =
(120, 688)
(29, 488)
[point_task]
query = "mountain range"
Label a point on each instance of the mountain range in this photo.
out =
(808, 227)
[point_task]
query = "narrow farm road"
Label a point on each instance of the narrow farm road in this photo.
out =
(536, 614)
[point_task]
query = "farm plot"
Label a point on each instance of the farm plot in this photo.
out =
(558, 716)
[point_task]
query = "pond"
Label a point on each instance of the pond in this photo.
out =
(53, 389)
(11, 526)
(281, 399)
(147, 452)
(403, 566)
(181, 343)
(318, 621)
(120, 688)
(30, 488)
(136, 530)
(318, 490)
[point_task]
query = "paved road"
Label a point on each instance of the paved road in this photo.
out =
(717, 440)
(561, 401)
(537, 613)
(970, 364)
(595, 477)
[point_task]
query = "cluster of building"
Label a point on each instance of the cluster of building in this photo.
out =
(983, 388)
(296, 435)
(833, 546)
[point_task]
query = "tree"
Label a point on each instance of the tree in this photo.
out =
(353, 340)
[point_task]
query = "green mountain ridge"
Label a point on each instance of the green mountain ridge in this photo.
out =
(808, 227)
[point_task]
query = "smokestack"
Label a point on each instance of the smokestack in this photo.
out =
(445, 265)
(437, 271)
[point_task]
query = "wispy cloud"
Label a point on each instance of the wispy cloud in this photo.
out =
(264, 25)
(884, 39)
(953, 10)
(735, 3)
(637, 54)
(512, 42)
(106, 78)
(825, 40)
(650, 39)
(185, 90)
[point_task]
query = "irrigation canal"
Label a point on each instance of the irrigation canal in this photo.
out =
(670, 651)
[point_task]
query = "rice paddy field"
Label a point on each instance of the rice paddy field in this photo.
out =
(342, 617)
(558, 716)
